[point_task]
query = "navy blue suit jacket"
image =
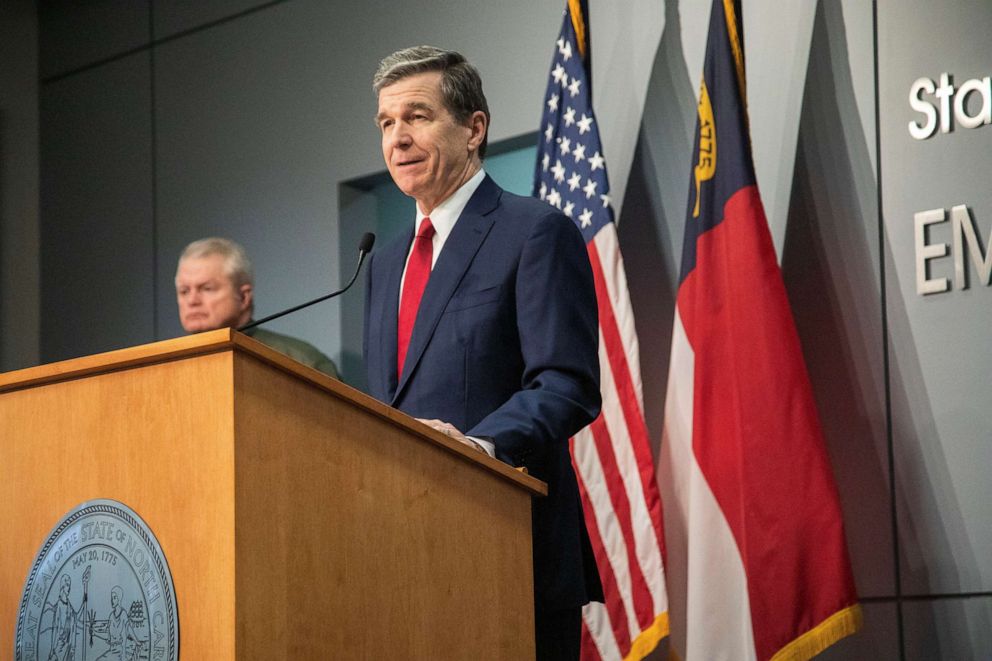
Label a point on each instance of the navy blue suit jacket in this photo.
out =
(505, 346)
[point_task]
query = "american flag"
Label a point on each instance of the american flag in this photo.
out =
(612, 456)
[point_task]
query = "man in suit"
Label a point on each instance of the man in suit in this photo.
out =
(482, 323)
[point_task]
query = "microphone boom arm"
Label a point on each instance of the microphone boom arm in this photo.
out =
(364, 247)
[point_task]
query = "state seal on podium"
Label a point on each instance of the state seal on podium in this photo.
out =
(99, 588)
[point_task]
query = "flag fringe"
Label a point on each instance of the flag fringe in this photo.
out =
(841, 624)
(648, 639)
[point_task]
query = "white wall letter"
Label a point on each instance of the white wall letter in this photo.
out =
(926, 252)
(919, 105)
(984, 116)
(944, 93)
(964, 230)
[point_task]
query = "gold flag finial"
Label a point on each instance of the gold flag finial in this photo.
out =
(579, 23)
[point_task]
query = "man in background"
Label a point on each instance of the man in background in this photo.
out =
(215, 289)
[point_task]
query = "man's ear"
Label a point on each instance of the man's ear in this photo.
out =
(247, 293)
(479, 126)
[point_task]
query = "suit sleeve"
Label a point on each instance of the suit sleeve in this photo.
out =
(558, 331)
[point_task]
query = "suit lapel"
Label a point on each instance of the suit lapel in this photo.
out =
(459, 250)
(394, 260)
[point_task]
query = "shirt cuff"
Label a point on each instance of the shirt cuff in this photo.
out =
(486, 445)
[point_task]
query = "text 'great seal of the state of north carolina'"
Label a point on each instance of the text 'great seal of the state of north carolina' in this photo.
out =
(99, 588)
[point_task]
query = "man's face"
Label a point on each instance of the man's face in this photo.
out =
(207, 298)
(429, 153)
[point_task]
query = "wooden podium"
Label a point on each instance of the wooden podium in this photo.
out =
(300, 518)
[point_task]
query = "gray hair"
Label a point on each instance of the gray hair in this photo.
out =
(237, 266)
(461, 85)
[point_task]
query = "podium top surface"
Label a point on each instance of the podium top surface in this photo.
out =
(227, 339)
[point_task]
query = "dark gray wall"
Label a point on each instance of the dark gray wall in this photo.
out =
(97, 229)
(162, 122)
(19, 273)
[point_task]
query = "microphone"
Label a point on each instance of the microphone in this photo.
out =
(364, 248)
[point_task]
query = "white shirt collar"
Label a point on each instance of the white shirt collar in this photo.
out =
(446, 214)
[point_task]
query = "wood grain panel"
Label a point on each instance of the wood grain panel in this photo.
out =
(397, 547)
(158, 438)
(301, 519)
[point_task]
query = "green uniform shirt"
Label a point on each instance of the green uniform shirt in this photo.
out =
(296, 349)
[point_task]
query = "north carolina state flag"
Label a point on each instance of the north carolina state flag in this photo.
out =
(757, 559)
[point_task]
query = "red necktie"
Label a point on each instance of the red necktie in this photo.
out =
(418, 270)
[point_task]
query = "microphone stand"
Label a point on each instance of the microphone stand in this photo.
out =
(364, 247)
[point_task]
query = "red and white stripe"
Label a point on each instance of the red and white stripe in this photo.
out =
(612, 459)
(705, 572)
